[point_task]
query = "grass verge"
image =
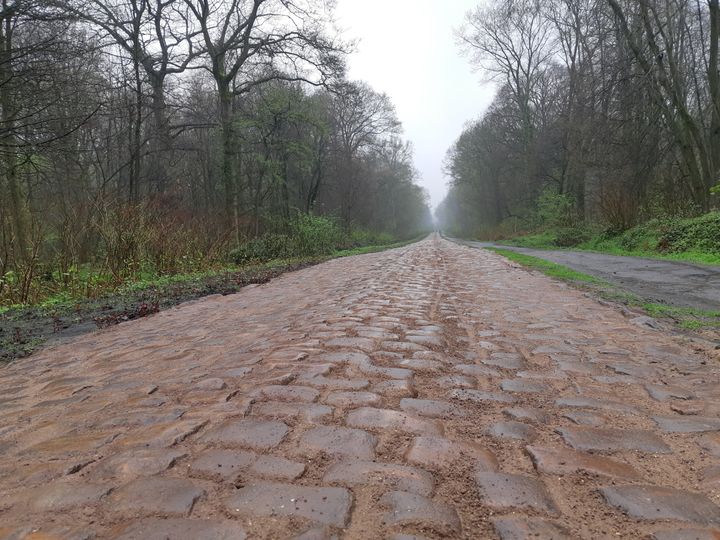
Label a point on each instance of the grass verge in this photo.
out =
(548, 268)
(684, 318)
(23, 329)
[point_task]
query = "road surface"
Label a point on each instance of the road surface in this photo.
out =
(674, 283)
(433, 391)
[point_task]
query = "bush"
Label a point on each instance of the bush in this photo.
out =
(571, 236)
(264, 248)
(316, 235)
(306, 236)
(697, 234)
(643, 237)
(363, 237)
(672, 235)
(556, 209)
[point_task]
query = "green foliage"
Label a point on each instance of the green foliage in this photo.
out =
(264, 248)
(688, 318)
(671, 235)
(548, 268)
(541, 240)
(362, 237)
(556, 209)
(641, 238)
(317, 235)
(375, 248)
(306, 236)
(690, 239)
(565, 237)
(571, 236)
(696, 234)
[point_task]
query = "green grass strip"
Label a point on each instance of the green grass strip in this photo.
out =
(548, 268)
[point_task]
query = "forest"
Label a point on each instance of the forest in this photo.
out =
(143, 138)
(606, 119)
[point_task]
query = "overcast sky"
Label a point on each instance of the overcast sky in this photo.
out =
(407, 49)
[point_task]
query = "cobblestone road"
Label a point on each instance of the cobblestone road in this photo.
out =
(426, 392)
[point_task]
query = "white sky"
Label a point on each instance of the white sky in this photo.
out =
(407, 49)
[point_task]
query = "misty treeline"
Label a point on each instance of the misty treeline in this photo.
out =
(159, 134)
(607, 112)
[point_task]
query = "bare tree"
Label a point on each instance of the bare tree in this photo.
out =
(250, 42)
(156, 36)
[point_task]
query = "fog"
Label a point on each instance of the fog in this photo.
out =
(407, 49)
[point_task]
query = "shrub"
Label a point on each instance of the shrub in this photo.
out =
(697, 234)
(305, 236)
(643, 237)
(363, 237)
(264, 248)
(556, 209)
(571, 236)
(672, 235)
(316, 235)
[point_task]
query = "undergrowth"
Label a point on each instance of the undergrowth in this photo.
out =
(150, 258)
(690, 239)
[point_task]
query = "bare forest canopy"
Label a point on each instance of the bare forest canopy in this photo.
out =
(607, 113)
(152, 132)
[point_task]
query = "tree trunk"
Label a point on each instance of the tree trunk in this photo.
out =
(136, 138)
(160, 137)
(228, 149)
(9, 141)
(714, 86)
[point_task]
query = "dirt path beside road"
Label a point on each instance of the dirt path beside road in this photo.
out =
(674, 283)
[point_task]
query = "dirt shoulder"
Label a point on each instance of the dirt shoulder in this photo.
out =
(24, 330)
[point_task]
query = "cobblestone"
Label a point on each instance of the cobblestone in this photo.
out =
(438, 452)
(694, 424)
(330, 506)
(411, 508)
(389, 475)
(309, 412)
(289, 393)
(63, 495)
(502, 491)
(613, 440)
(430, 408)
(255, 434)
(353, 399)
(565, 461)
(183, 529)
(173, 496)
(657, 502)
(337, 441)
(513, 430)
(524, 529)
(371, 418)
(392, 395)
